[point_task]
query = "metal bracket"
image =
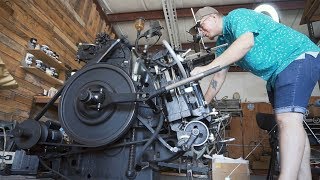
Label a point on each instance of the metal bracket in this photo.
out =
(192, 167)
(170, 14)
(311, 32)
(189, 171)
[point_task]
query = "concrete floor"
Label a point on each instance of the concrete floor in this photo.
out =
(255, 177)
(17, 177)
(166, 177)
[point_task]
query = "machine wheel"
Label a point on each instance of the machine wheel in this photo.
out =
(80, 113)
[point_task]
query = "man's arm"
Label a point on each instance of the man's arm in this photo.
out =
(215, 84)
(237, 50)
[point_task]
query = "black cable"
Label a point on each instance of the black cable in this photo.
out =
(54, 171)
(152, 138)
(137, 41)
(155, 42)
(99, 148)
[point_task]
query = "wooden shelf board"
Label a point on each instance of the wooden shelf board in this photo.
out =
(44, 100)
(39, 54)
(41, 74)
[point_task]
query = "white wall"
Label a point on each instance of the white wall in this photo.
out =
(250, 87)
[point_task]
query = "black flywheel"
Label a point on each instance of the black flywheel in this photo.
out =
(81, 113)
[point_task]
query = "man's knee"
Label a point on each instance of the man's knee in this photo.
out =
(289, 119)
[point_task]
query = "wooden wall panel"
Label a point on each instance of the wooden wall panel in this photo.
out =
(60, 24)
(248, 135)
(235, 149)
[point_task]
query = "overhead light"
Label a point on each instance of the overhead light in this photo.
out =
(269, 10)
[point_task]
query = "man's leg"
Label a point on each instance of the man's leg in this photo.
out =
(305, 170)
(292, 146)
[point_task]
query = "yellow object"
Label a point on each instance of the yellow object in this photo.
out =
(6, 80)
(139, 24)
(218, 165)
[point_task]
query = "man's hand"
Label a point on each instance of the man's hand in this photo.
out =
(198, 70)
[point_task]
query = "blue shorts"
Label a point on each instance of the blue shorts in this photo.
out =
(294, 85)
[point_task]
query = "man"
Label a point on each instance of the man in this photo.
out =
(285, 58)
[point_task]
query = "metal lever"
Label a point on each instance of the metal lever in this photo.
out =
(317, 139)
(109, 50)
(133, 97)
(185, 81)
(194, 135)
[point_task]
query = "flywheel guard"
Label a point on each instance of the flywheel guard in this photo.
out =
(87, 123)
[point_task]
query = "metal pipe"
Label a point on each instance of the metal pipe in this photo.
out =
(193, 78)
(175, 57)
(317, 139)
(108, 51)
(185, 81)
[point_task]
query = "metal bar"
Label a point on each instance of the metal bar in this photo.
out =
(185, 81)
(311, 132)
(50, 103)
(184, 167)
(109, 50)
(193, 78)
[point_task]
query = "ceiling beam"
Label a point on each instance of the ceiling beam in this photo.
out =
(314, 18)
(309, 11)
(186, 12)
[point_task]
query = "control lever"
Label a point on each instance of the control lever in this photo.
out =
(112, 98)
(194, 135)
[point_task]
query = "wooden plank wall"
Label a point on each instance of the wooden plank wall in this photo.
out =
(247, 133)
(60, 24)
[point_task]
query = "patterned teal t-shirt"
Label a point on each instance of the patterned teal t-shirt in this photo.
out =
(275, 45)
